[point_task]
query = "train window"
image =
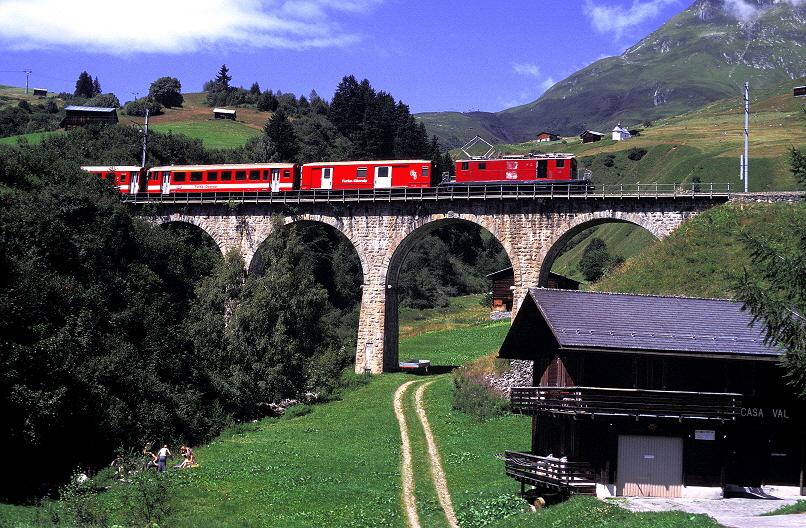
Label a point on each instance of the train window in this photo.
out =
(465, 165)
(240, 175)
(265, 175)
(195, 176)
(286, 174)
(361, 172)
(560, 163)
(482, 166)
(153, 176)
(179, 176)
(425, 171)
(212, 176)
(226, 175)
(253, 175)
(109, 176)
(122, 177)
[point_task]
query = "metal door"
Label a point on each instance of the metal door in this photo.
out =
(649, 466)
(275, 180)
(134, 182)
(383, 177)
(327, 178)
(166, 182)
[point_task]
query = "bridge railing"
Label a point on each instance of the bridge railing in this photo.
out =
(448, 192)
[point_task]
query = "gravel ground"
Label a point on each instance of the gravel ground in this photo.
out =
(733, 513)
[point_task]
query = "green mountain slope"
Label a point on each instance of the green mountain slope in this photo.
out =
(703, 54)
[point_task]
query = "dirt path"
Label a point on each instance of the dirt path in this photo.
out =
(407, 473)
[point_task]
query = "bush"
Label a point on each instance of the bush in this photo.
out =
(636, 153)
(474, 394)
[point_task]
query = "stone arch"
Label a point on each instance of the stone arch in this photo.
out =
(198, 221)
(576, 226)
(392, 265)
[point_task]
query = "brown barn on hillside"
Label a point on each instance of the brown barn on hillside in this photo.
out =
(76, 116)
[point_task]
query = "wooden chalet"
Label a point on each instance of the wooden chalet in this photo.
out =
(799, 90)
(589, 136)
(223, 113)
(40, 92)
(504, 281)
(639, 395)
(547, 136)
(76, 116)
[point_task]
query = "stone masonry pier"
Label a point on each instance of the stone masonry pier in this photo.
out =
(382, 232)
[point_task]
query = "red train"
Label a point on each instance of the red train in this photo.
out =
(547, 169)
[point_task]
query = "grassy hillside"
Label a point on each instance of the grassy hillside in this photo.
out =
(702, 256)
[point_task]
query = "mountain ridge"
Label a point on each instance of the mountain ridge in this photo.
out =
(703, 54)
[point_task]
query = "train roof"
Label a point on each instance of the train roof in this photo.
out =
(552, 155)
(224, 166)
(111, 168)
(368, 162)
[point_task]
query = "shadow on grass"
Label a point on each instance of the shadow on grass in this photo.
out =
(432, 370)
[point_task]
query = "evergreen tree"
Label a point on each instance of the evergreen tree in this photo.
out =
(96, 87)
(281, 138)
(221, 81)
(84, 86)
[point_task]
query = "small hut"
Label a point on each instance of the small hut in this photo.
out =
(223, 113)
(76, 116)
(589, 136)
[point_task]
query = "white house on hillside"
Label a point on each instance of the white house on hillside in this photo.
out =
(620, 133)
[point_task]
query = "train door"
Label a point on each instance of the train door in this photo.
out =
(383, 177)
(134, 182)
(166, 182)
(327, 178)
(542, 169)
(275, 180)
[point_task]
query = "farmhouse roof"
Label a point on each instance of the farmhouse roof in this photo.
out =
(89, 109)
(617, 322)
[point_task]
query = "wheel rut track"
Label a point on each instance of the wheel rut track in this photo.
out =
(438, 479)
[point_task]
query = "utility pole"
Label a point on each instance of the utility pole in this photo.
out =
(746, 132)
(145, 139)
(27, 73)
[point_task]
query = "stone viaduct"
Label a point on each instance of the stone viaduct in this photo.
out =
(382, 232)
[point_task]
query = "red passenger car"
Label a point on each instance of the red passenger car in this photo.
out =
(125, 177)
(366, 174)
(274, 177)
(536, 168)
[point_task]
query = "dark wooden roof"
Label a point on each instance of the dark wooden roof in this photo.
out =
(617, 322)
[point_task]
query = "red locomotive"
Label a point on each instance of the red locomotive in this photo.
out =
(539, 168)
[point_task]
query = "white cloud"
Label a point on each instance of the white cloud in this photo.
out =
(527, 69)
(617, 19)
(175, 26)
(746, 11)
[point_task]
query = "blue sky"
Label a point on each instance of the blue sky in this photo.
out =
(434, 55)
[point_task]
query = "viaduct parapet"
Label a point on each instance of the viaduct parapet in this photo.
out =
(382, 232)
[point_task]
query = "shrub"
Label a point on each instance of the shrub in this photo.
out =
(636, 153)
(474, 394)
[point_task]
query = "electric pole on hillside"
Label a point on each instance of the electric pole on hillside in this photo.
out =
(743, 170)
(27, 73)
(145, 139)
